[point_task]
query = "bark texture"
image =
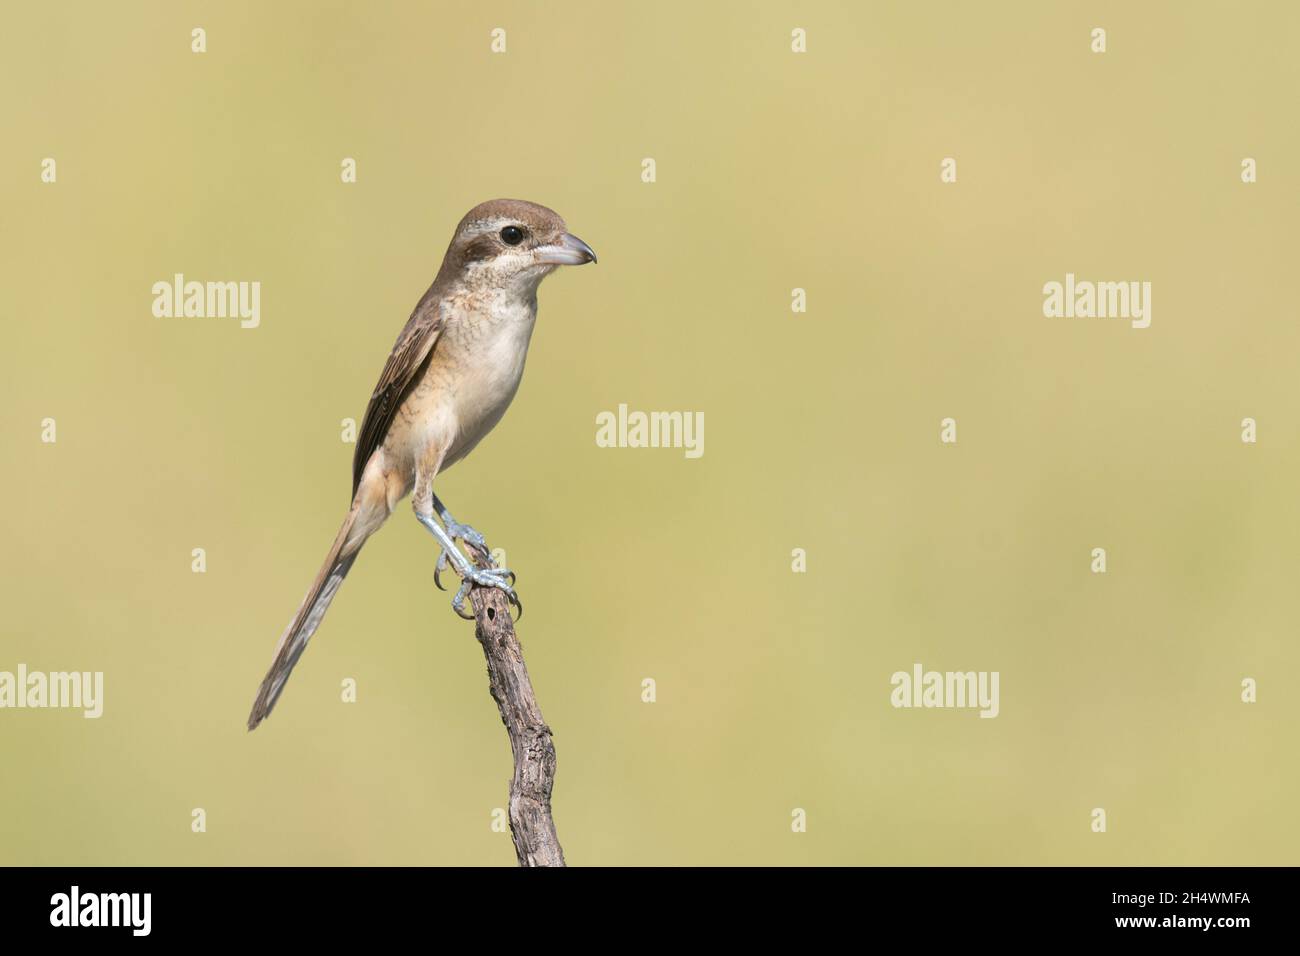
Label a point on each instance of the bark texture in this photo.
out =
(531, 825)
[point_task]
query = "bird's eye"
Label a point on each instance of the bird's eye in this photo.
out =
(512, 235)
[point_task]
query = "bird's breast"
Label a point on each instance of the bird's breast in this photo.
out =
(486, 349)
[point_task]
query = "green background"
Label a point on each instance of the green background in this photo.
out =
(776, 170)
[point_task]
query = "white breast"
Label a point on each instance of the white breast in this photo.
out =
(491, 363)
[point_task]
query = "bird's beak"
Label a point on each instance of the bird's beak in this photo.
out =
(569, 251)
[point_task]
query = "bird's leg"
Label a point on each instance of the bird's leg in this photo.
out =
(476, 542)
(470, 574)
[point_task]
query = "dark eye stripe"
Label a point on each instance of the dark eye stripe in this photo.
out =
(482, 247)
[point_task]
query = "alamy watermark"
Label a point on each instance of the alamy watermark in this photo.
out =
(82, 690)
(76, 908)
(208, 300)
(946, 689)
(1098, 300)
(626, 429)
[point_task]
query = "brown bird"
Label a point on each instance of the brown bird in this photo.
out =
(452, 373)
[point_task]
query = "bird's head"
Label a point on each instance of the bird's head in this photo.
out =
(511, 245)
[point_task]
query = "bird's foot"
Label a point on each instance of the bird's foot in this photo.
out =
(475, 569)
(481, 557)
(473, 539)
(456, 530)
(489, 577)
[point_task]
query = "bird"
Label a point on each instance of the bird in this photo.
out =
(452, 372)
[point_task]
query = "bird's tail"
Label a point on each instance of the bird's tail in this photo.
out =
(338, 562)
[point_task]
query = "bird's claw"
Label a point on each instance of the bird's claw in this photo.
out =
(465, 533)
(474, 567)
(488, 578)
(458, 602)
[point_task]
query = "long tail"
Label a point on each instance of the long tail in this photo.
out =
(338, 562)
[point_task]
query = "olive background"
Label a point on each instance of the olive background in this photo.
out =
(775, 171)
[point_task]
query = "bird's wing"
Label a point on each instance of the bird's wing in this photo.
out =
(409, 355)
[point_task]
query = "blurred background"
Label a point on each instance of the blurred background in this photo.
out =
(774, 171)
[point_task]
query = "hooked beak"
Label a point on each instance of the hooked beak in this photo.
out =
(569, 251)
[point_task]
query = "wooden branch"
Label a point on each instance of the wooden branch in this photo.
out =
(531, 825)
